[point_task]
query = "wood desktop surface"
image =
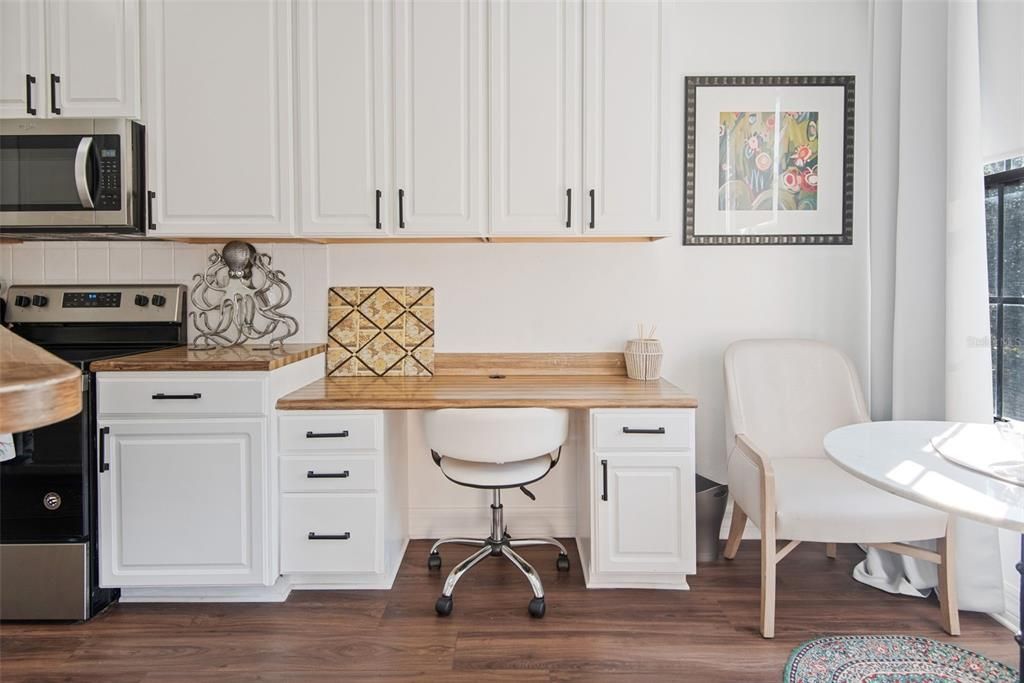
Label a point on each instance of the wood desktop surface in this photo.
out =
(36, 387)
(496, 381)
(229, 359)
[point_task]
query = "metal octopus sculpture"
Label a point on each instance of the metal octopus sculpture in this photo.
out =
(239, 299)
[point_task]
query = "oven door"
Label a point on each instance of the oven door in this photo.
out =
(64, 175)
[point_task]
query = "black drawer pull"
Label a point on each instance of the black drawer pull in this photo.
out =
(604, 480)
(175, 397)
(310, 474)
(568, 208)
(591, 209)
(630, 430)
(54, 82)
(327, 435)
(378, 209)
(313, 536)
(104, 465)
(30, 82)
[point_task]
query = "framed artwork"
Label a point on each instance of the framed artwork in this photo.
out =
(769, 160)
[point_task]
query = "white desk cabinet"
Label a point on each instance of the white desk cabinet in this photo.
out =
(637, 526)
(69, 59)
(219, 117)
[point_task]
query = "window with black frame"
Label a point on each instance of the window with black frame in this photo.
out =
(1004, 219)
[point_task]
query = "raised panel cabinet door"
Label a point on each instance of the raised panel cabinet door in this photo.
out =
(535, 99)
(93, 49)
(440, 161)
(23, 80)
(344, 144)
(182, 503)
(626, 97)
(219, 116)
(644, 518)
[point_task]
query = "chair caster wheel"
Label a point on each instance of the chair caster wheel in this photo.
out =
(444, 606)
(434, 561)
(563, 562)
(536, 608)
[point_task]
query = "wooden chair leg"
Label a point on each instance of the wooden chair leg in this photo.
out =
(736, 527)
(768, 565)
(830, 550)
(947, 584)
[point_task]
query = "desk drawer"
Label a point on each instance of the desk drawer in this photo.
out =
(330, 473)
(328, 533)
(331, 431)
(181, 395)
(643, 429)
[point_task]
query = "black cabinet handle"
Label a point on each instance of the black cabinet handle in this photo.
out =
(630, 430)
(378, 209)
(310, 474)
(54, 81)
(401, 209)
(591, 209)
(327, 435)
(568, 208)
(175, 397)
(604, 480)
(104, 465)
(150, 196)
(30, 81)
(313, 536)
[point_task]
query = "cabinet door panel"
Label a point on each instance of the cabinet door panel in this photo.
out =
(182, 503)
(219, 107)
(22, 54)
(439, 107)
(343, 127)
(625, 161)
(535, 126)
(646, 524)
(93, 46)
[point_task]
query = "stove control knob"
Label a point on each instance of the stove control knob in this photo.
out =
(39, 300)
(159, 300)
(141, 300)
(22, 301)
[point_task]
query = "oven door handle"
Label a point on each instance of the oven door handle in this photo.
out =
(104, 465)
(81, 177)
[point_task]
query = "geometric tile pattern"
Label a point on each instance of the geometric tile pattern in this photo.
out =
(378, 331)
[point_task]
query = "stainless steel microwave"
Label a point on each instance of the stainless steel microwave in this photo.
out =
(72, 176)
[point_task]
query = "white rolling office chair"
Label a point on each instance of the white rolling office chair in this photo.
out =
(782, 397)
(495, 449)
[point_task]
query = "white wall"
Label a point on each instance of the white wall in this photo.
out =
(590, 297)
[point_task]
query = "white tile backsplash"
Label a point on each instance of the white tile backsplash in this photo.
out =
(304, 266)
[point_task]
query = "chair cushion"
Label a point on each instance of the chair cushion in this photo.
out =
(816, 500)
(495, 475)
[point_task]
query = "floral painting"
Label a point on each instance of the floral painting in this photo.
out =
(768, 161)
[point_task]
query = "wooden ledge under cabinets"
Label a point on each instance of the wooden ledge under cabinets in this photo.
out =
(232, 359)
(394, 239)
(36, 387)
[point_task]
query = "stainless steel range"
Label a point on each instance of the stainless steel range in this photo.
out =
(48, 557)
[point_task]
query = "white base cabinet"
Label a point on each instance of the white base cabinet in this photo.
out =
(637, 528)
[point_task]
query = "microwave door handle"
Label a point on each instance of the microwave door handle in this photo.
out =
(81, 178)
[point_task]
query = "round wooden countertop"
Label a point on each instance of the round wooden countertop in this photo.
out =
(36, 387)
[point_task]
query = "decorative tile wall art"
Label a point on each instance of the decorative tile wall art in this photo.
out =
(380, 331)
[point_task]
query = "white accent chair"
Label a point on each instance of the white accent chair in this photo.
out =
(782, 397)
(495, 449)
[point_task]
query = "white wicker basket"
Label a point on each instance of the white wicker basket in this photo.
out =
(643, 359)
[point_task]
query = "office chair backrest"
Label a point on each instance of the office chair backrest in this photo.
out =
(495, 434)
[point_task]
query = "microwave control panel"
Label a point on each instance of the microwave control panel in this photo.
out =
(108, 195)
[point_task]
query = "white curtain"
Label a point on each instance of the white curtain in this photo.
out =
(928, 255)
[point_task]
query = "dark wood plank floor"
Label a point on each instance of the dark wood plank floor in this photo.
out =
(707, 634)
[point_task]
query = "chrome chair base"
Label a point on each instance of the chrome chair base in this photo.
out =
(499, 543)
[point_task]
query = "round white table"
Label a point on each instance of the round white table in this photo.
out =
(899, 457)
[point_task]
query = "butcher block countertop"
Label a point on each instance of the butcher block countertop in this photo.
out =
(232, 359)
(496, 381)
(36, 387)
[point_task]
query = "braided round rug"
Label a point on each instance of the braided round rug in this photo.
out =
(890, 659)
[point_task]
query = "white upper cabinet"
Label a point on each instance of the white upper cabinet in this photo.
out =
(624, 85)
(439, 106)
(535, 98)
(344, 145)
(23, 79)
(219, 116)
(69, 59)
(93, 58)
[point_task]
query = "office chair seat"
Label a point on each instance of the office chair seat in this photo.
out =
(495, 448)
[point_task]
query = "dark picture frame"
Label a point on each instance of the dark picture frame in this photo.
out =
(692, 165)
